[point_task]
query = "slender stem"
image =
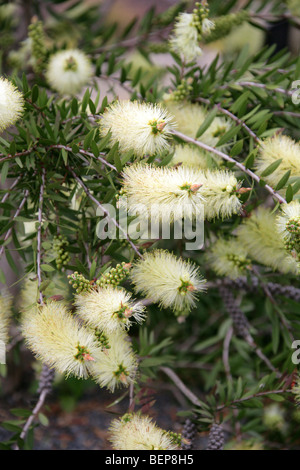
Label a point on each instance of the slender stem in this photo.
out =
(39, 234)
(84, 152)
(181, 386)
(17, 213)
(255, 395)
(270, 296)
(225, 355)
(89, 116)
(58, 146)
(265, 87)
(34, 413)
(19, 154)
(133, 42)
(92, 198)
(6, 195)
(249, 339)
(286, 113)
(45, 386)
(226, 346)
(131, 397)
(232, 116)
(231, 160)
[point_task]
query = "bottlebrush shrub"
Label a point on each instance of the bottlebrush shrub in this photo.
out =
(214, 146)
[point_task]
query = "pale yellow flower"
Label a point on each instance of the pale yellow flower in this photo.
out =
(68, 71)
(184, 38)
(11, 104)
(57, 339)
(167, 280)
(142, 127)
(228, 258)
(137, 432)
(116, 366)
(275, 148)
(161, 191)
(109, 308)
(288, 221)
(260, 237)
(221, 191)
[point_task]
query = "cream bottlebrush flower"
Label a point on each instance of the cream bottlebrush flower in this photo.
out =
(184, 39)
(158, 191)
(109, 308)
(5, 314)
(288, 222)
(228, 258)
(142, 127)
(189, 155)
(167, 280)
(221, 190)
(11, 104)
(137, 432)
(273, 149)
(68, 71)
(189, 118)
(116, 366)
(58, 340)
(259, 236)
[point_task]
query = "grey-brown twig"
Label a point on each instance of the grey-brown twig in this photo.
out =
(105, 212)
(226, 157)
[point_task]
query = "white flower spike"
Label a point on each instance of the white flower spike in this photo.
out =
(117, 365)
(161, 191)
(109, 309)
(142, 127)
(137, 432)
(184, 40)
(167, 280)
(11, 104)
(68, 71)
(57, 339)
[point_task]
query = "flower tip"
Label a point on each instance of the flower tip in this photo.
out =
(191, 288)
(160, 126)
(128, 312)
(123, 378)
(88, 357)
(194, 187)
(243, 190)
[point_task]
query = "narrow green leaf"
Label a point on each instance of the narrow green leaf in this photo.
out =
(43, 419)
(47, 268)
(289, 193)
(237, 148)
(250, 160)
(271, 168)
(207, 122)
(282, 182)
(275, 397)
(34, 93)
(240, 101)
(88, 138)
(229, 135)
